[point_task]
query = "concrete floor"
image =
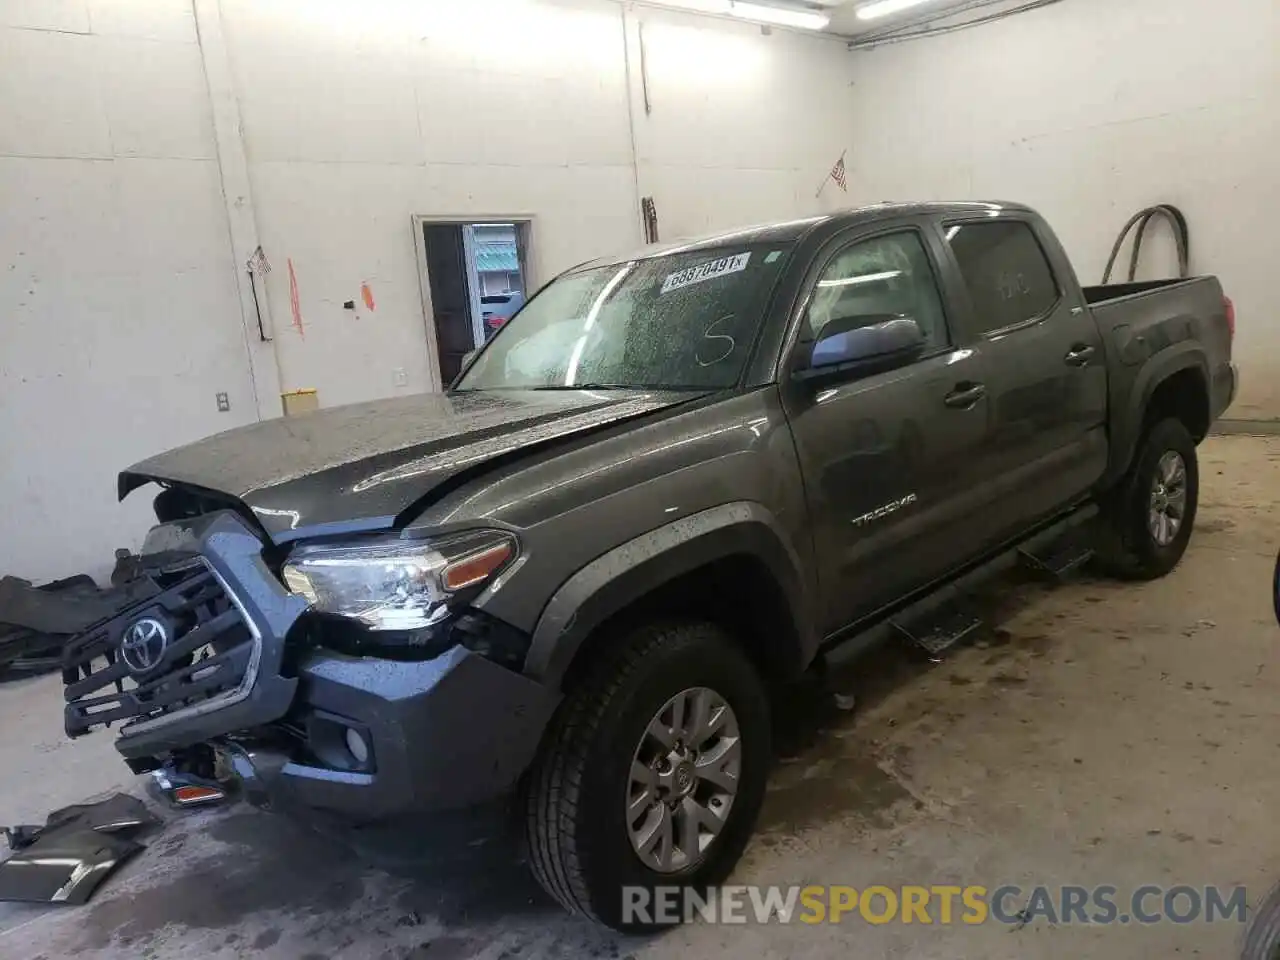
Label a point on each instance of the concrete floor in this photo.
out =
(1104, 733)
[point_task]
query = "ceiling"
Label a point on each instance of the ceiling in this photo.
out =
(917, 18)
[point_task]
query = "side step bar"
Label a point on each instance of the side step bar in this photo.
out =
(943, 629)
(938, 618)
(1061, 559)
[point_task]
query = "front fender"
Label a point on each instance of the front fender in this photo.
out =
(629, 572)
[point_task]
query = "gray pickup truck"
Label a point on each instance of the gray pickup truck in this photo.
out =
(669, 483)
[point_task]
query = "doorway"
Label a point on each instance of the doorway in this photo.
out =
(475, 277)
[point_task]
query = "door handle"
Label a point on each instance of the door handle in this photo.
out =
(965, 395)
(1079, 355)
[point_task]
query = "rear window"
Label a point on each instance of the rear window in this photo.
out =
(1006, 271)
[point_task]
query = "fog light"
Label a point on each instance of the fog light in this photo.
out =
(359, 749)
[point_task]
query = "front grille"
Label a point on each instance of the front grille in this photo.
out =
(206, 656)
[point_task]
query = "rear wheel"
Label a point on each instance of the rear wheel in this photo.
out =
(652, 774)
(1149, 519)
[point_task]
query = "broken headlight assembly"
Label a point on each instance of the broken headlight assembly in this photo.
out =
(398, 597)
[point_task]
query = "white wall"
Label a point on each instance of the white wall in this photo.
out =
(743, 126)
(1091, 110)
(357, 116)
(118, 289)
(118, 316)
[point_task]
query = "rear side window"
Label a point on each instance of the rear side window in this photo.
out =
(1007, 274)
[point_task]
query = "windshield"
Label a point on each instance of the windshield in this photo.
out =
(683, 321)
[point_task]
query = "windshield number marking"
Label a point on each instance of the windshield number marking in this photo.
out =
(706, 271)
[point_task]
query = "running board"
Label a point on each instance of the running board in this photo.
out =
(933, 618)
(939, 631)
(1058, 560)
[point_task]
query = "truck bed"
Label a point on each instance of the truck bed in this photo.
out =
(1142, 318)
(1154, 328)
(1095, 296)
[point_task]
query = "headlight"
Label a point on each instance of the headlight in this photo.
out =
(397, 584)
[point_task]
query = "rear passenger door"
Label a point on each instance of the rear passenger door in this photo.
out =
(887, 456)
(1045, 372)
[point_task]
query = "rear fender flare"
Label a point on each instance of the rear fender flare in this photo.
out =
(627, 573)
(1187, 355)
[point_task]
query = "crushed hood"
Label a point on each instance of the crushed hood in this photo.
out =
(360, 467)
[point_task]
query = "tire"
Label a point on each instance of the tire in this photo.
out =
(1262, 937)
(577, 824)
(1275, 589)
(1131, 549)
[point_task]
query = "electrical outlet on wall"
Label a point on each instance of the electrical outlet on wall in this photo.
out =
(224, 402)
(400, 377)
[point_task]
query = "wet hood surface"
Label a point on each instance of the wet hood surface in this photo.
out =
(359, 467)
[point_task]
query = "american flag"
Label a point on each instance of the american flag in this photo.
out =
(837, 174)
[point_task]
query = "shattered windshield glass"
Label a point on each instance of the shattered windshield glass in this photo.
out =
(681, 321)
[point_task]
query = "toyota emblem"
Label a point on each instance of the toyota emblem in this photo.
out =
(143, 644)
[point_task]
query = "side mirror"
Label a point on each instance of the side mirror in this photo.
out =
(863, 344)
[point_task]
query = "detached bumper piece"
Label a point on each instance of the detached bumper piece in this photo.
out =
(68, 858)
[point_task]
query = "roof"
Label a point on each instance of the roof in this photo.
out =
(784, 231)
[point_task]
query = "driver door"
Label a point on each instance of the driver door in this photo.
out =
(889, 455)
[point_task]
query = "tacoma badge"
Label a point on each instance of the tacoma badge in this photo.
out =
(879, 512)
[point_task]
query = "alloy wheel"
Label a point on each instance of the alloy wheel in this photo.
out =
(684, 778)
(1167, 505)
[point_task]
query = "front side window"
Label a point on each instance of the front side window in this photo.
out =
(1006, 272)
(884, 277)
(680, 321)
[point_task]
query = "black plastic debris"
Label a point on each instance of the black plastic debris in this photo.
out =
(36, 622)
(21, 836)
(117, 813)
(63, 866)
(65, 860)
(64, 606)
(127, 569)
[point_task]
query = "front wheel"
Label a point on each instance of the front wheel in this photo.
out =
(1150, 517)
(1262, 937)
(652, 774)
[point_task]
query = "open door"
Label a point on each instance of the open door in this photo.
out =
(450, 296)
(475, 276)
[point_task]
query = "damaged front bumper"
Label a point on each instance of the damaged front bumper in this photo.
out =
(302, 726)
(443, 734)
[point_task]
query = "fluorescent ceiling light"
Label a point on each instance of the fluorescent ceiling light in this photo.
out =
(721, 7)
(782, 16)
(885, 8)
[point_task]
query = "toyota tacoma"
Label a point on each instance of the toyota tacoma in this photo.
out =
(670, 482)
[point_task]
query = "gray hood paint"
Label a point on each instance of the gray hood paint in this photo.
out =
(359, 467)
